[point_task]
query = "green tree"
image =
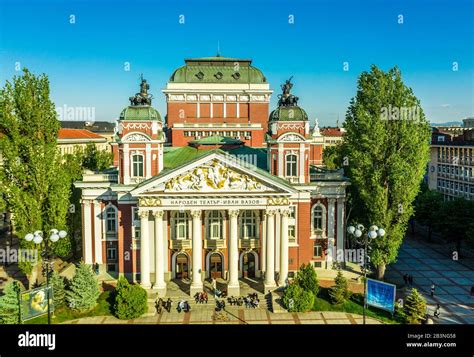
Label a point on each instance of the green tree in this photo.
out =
(96, 160)
(83, 289)
(427, 209)
(35, 185)
(387, 153)
(59, 291)
(10, 304)
(339, 293)
(457, 223)
(131, 301)
(296, 299)
(307, 279)
(414, 308)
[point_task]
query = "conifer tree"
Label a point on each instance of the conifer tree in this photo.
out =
(340, 291)
(414, 307)
(83, 290)
(10, 304)
(59, 292)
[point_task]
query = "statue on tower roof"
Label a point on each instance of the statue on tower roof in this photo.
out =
(287, 99)
(142, 98)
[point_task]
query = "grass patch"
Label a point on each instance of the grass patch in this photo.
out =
(103, 308)
(355, 305)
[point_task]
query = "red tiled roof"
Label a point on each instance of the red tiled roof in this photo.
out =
(331, 132)
(77, 134)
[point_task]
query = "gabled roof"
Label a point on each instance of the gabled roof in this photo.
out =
(71, 134)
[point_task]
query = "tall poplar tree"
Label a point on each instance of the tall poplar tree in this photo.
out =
(33, 180)
(387, 147)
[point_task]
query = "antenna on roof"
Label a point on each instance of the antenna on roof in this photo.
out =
(218, 49)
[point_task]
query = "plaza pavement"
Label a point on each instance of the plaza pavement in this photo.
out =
(430, 263)
(235, 316)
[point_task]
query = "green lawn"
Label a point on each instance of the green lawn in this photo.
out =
(354, 305)
(103, 308)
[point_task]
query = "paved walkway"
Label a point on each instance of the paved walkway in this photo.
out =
(430, 263)
(235, 316)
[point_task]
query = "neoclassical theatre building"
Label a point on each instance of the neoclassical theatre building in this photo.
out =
(222, 189)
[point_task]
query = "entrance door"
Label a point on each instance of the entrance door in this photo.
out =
(216, 266)
(181, 266)
(249, 265)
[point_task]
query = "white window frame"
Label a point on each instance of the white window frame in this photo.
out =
(323, 219)
(288, 164)
(248, 219)
(215, 220)
(134, 155)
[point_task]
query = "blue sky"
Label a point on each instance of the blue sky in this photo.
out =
(85, 60)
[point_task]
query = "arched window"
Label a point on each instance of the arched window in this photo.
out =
(214, 225)
(291, 165)
(248, 226)
(318, 219)
(111, 219)
(137, 165)
(181, 225)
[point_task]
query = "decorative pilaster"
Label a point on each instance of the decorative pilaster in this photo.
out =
(126, 164)
(331, 251)
(285, 213)
(87, 232)
(97, 232)
(160, 284)
(233, 288)
(340, 226)
(196, 285)
(144, 250)
(148, 161)
(270, 256)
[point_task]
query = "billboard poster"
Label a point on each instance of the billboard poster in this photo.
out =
(34, 302)
(381, 295)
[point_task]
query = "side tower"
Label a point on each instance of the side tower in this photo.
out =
(217, 96)
(288, 139)
(140, 139)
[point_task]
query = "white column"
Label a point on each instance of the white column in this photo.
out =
(126, 164)
(233, 286)
(270, 258)
(340, 225)
(263, 239)
(144, 250)
(97, 233)
(148, 161)
(87, 232)
(302, 162)
(211, 109)
(160, 284)
(196, 285)
(285, 213)
(277, 239)
(331, 254)
(237, 108)
(281, 158)
(165, 245)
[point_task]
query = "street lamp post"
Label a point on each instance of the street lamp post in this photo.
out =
(37, 238)
(373, 233)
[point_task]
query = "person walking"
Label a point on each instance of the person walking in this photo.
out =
(432, 290)
(436, 313)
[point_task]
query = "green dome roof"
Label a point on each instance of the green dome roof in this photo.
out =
(144, 112)
(289, 113)
(217, 70)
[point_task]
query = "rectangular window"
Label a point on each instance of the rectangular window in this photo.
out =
(291, 232)
(111, 253)
(137, 232)
(317, 251)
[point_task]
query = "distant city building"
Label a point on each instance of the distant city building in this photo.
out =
(71, 139)
(103, 128)
(452, 162)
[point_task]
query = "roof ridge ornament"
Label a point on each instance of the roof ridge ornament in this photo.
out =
(143, 97)
(286, 99)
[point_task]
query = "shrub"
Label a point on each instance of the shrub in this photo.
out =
(9, 304)
(59, 292)
(83, 290)
(414, 307)
(307, 279)
(339, 293)
(131, 301)
(296, 299)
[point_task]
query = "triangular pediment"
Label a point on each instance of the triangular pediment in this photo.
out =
(216, 173)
